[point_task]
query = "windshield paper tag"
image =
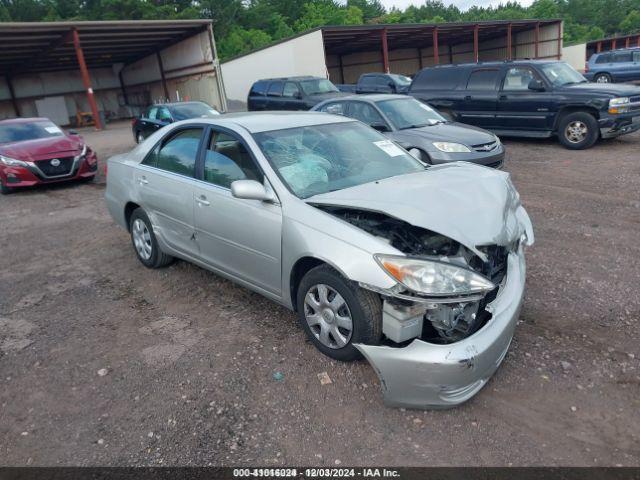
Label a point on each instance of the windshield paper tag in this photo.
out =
(389, 148)
(52, 129)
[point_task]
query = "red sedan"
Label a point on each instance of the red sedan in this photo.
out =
(35, 151)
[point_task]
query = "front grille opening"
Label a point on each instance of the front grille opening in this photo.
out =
(50, 170)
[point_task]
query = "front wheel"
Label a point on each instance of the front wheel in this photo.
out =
(4, 190)
(336, 313)
(144, 241)
(578, 130)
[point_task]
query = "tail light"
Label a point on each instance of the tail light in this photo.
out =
(586, 67)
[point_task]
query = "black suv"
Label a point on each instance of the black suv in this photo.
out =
(530, 98)
(290, 93)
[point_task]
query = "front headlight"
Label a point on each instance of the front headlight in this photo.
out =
(431, 277)
(619, 105)
(12, 162)
(451, 147)
(83, 153)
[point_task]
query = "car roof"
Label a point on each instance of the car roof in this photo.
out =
(494, 64)
(24, 120)
(629, 49)
(299, 77)
(256, 122)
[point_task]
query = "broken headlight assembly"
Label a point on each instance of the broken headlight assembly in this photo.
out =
(432, 277)
(619, 105)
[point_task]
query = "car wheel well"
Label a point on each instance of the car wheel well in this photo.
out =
(299, 270)
(129, 208)
(567, 110)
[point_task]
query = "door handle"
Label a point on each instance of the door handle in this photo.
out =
(468, 97)
(202, 201)
(143, 180)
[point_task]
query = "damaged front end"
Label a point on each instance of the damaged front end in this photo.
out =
(441, 345)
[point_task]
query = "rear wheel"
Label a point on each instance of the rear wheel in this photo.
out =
(578, 130)
(336, 313)
(603, 78)
(144, 241)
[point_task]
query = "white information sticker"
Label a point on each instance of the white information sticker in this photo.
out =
(53, 129)
(426, 107)
(389, 148)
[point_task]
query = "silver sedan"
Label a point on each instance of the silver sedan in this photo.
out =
(419, 268)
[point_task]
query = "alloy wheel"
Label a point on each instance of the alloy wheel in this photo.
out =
(602, 79)
(576, 131)
(328, 316)
(142, 239)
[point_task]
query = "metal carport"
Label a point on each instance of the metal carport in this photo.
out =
(45, 47)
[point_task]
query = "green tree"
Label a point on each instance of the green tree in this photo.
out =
(631, 22)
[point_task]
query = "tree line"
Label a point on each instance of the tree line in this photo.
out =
(243, 25)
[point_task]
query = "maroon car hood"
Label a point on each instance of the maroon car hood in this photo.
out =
(42, 149)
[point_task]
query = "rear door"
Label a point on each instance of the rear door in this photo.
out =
(147, 121)
(165, 181)
(240, 237)
(622, 66)
(274, 96)
(635, 66)
(479, 104)
(257, 99)
(520, 108)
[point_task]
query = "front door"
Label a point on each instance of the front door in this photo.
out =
(520, 108)
(165, 181)
(241, 237)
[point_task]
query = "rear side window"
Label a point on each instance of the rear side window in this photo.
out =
(178, 153)
(439, 78)
(483, 80)
(622, 57)
(383, 81)
(275, 89)
(368, 81)
(291, 90)
(152, 112)
(259, 88)
(606, 58)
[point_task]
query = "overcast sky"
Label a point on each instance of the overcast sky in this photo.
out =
(462, 4)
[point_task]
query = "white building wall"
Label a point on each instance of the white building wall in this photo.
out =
(575, 55)
(303, 55)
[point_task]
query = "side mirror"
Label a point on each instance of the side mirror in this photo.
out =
(72, 132)
(381, 127)
(536, 85)
(251, 190)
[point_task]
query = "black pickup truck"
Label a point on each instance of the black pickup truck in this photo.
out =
(378, 83)
(531, 98)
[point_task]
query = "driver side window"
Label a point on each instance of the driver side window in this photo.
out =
(518, 78)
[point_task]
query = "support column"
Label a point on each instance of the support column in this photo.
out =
(385, 51)
(420, 59)
(639, 40)
(476, 30)
(537, 40)
(86, 80)
(12, 93)
(164, 80)
(559, 40)
(341, 69)
(436, 56)
(598, 47)
(627, 41)
(509, 42)
(222, 94)
(122, 87)
(613, 44)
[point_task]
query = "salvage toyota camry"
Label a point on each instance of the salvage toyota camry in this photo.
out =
(419, 268)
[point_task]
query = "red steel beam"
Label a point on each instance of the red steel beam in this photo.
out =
(509, 41)
(599, 46)
(385, 51)
(537, 40)
(627, 41)
(613, 44)
(476, 30)
(436, 57)
(639, 40)
(162, 77)
(86, 80)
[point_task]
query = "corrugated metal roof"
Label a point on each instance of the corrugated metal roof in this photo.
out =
(29, 47)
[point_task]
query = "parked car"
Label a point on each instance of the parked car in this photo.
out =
(531, 98)
(419, 268)
(35, 151)
(160, 115)
(290, 93)
(420, 128)
(378, 83)
(614, 66)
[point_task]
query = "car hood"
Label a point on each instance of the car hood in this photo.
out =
(43, 148)
(471, 204)
(449, 132)
(610, 89)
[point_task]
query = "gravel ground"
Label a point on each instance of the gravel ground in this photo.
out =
(104, 362)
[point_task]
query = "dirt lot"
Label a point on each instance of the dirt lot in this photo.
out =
(190, 358)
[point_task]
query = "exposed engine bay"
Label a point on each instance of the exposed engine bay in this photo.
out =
(407, 316)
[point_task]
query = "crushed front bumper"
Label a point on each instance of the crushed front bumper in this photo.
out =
(425, 375)
(611, 127)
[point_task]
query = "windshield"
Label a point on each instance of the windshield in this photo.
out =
(321, 85)
(323, 158)
(410, 113)
(401, 79)
(193, 110)
(20, 132)
(562, 74)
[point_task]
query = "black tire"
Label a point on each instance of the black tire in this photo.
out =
(364, 306)
(603, 78)
(4, 190)
(581, 120)
(424, 156)
(157, 258)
